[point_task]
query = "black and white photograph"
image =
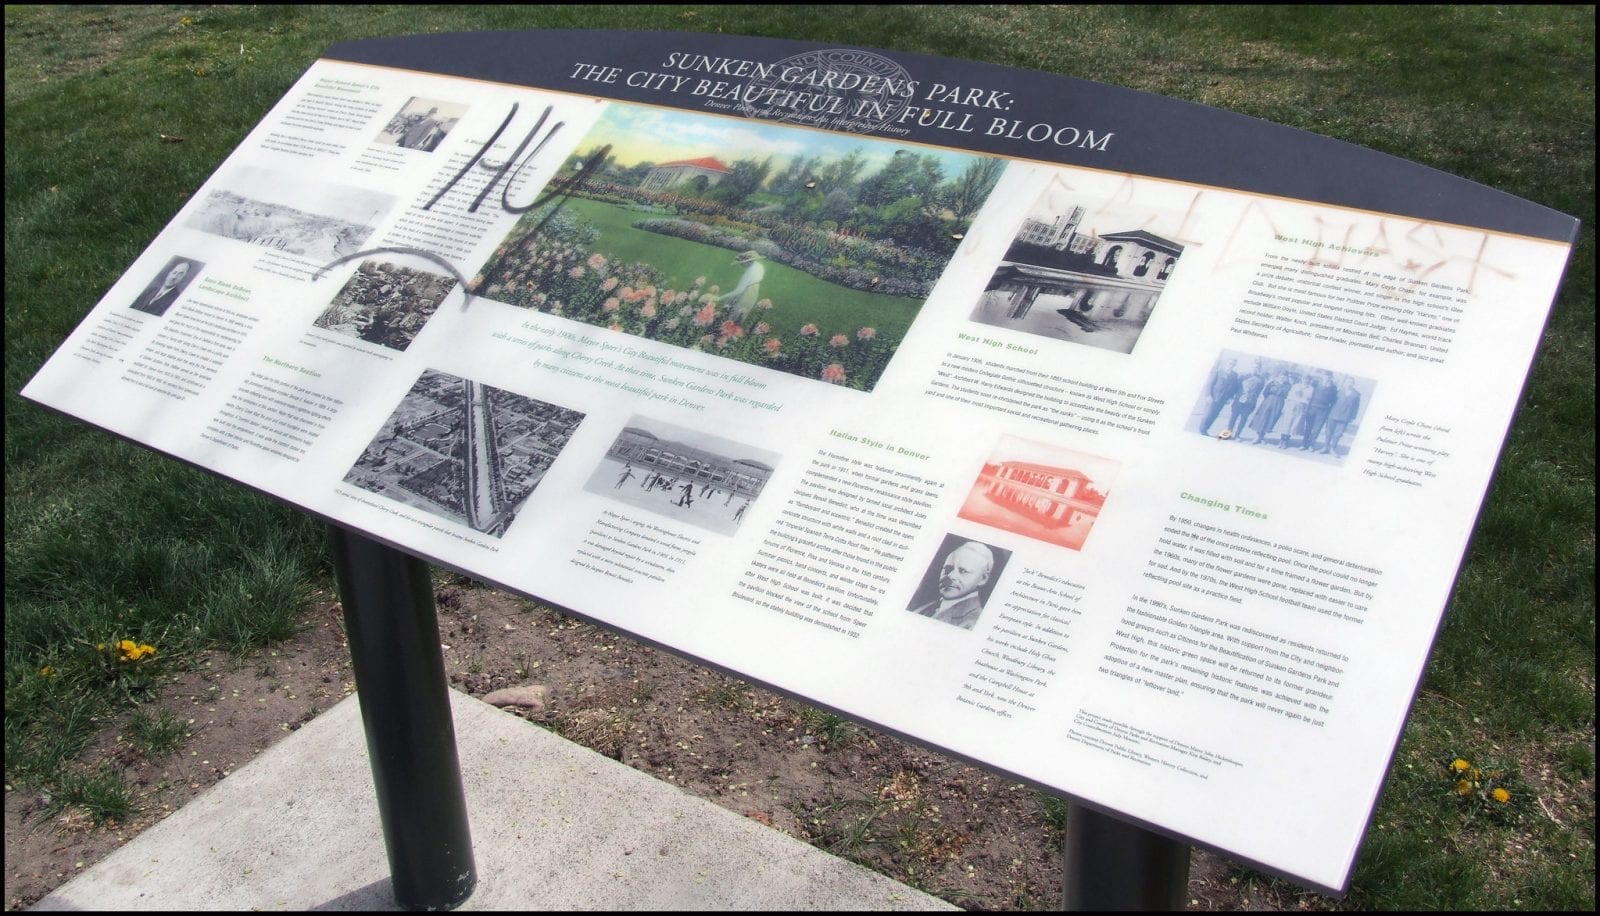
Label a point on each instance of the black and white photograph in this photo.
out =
(684, 474)
(958, 582)
(386, 304)
(167, 285)
(1287, 407)
(464, 451)
(421, 124)
(313, 220)
(1041, 491)
(1082, 270)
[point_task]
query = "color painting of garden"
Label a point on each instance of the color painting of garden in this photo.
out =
(802, 251)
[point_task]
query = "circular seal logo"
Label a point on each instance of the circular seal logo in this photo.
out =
(841, 89)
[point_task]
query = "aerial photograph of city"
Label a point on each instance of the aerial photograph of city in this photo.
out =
(465, 451)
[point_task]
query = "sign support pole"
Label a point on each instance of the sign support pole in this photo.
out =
(393, 631)
(1113, 865)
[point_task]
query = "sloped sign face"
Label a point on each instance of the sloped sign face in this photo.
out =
(1079, 432)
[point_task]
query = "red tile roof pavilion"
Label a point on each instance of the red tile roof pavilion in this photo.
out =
(706, 163)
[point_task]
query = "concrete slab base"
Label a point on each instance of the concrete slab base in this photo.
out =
(554, 827)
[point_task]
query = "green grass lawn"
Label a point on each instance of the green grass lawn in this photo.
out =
(115, 115)
(797, 297)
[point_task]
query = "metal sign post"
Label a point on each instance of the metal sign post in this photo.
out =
(405, 707)
(1113, 865)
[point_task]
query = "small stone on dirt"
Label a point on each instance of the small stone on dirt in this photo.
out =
(532, 696)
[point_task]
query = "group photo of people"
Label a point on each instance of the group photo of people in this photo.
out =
(421, 124)
(1307, 410)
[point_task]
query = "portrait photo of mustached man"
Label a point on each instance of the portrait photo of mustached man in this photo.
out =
(959, 581)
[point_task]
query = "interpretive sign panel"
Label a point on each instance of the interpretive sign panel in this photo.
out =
(1120, 444)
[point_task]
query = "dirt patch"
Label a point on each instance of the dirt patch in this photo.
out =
(956, 831)
(235, 709)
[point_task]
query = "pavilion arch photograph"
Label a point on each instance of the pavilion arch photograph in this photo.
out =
(1084, 269)
(1042, 491)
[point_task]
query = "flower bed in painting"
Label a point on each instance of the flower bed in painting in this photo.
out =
(553, 271)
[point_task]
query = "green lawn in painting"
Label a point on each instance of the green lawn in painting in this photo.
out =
(797, 297)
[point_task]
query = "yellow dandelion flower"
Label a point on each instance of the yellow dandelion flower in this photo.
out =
(47, 671)
(1460, 765)
(1464, 787)
(137, 651)
(130, 651)
(1500, 795)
